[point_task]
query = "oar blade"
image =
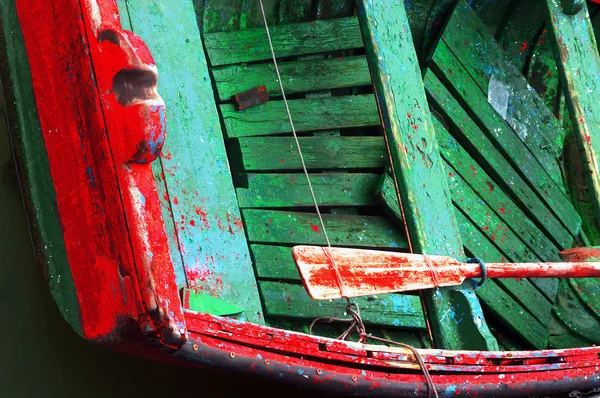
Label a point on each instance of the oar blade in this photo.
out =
(344, 273)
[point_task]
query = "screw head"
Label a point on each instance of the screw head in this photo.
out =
(267, 362)
(232, 354)
(354, 378)
(195, 347)
(319, 371)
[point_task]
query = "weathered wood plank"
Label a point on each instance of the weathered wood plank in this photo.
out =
(210, 235)
(291, 300)
(415, 156)
(274, 262)
(308, 114)
(486, 187)
(284, 227)
(575, 314)
(288, 40)
(388, 197)
(501, 304)
(296, 76)
(526, 112)
(291, 190)
(512, 148)
(522, 290)
(563, 337)
(480, 241)
(475, 141)
(503, 294)
(499, 232)
(577, 56)
(280, 153)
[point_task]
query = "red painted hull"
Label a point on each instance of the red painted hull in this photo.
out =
(109, 211)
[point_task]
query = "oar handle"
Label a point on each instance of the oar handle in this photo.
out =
(542, 270)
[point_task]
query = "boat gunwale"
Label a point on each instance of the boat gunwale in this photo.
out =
(228, 343)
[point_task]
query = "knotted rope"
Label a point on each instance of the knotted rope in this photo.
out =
(356, 324)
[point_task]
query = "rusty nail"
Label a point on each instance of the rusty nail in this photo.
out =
(267, 362)
(195, 347)
(232, 354)
(319, 371)
(354, 378)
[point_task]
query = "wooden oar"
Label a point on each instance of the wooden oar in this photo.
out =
(360, 272)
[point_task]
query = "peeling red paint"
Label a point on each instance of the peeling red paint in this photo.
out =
(111, 259)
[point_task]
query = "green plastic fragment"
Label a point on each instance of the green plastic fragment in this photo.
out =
(208, 304)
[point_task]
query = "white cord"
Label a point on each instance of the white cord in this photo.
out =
(287, 108)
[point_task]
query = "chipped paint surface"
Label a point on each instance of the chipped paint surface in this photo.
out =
(99, 148)
(198, 193)
(414, 152)
(359, 272)
(383, 371)
(578, 62)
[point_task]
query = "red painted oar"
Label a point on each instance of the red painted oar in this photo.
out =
(360, 272)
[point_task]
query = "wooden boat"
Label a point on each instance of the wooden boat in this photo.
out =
(181, 249)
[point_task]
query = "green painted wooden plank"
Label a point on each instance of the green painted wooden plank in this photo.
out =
(563, 337)
(573, 313)
(581, 194)
(280, 153)
(388, 197)
(483, 59)
(500, 304)
(520, 239)
(476, 142)
(297, 76)
(486, 187)
(210, 235)
(284, 227)
(588, 292)
(33, 166)
(291, 190)
(308, 114)
(288, 40)
(415, 156)
(274, 262)
(292, 301)
(577, 56)
(521, 290)
(497, 131)
(505, 293)
(499, 232)
(478, 244)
